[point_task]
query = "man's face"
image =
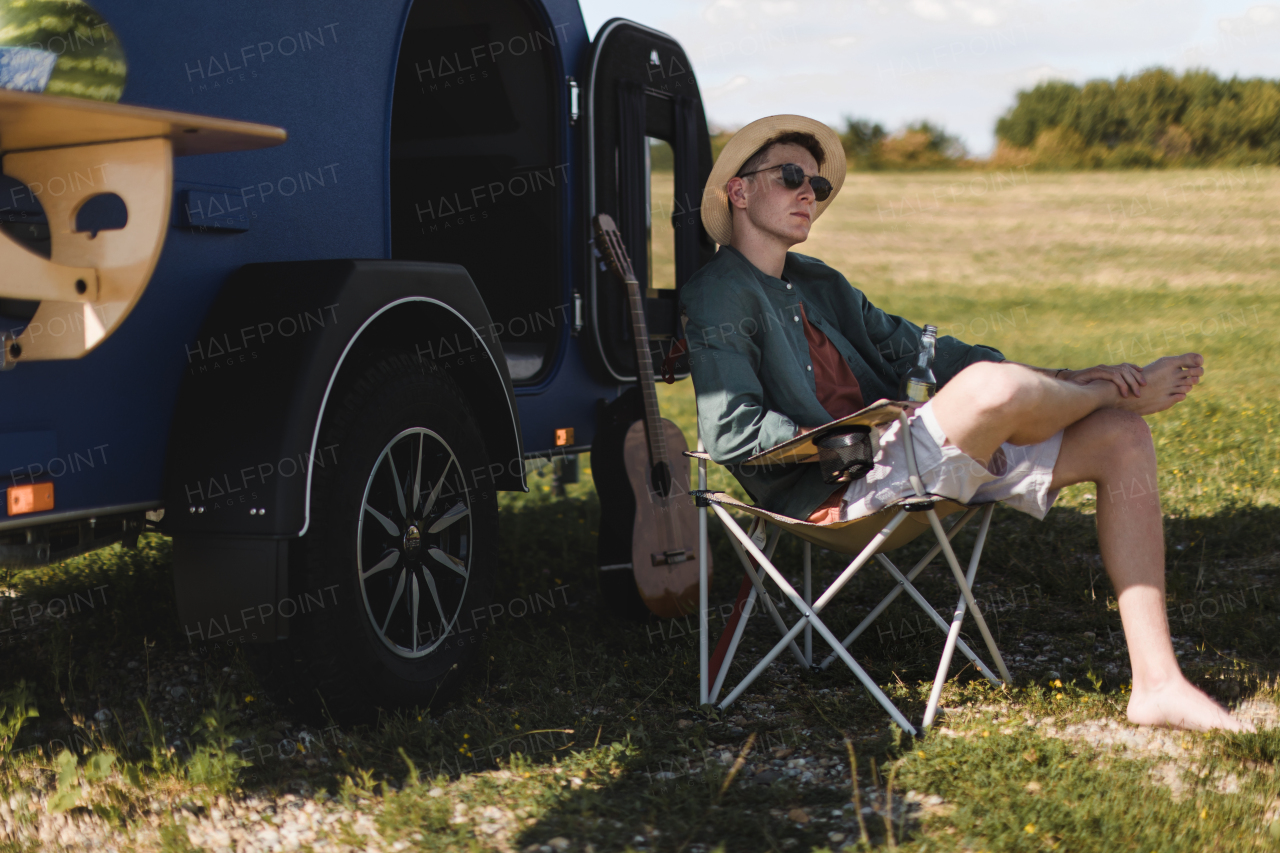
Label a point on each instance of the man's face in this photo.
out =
(765, 202)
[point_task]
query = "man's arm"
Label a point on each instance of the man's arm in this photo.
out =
(898, 340)
(734, 421)
(1127, 377)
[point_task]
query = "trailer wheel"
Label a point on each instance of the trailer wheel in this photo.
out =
(402, 540)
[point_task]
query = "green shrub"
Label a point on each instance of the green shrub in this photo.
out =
(1153, 119)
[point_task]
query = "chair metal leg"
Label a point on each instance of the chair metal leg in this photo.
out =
(953, 635)
(703, 592)
(967, 592)
(808, 599)
(757, 563)
(744, 613)
(736, 538)
(772, 544)
(858, 562)
(763, 664)
(733, 645)
(740, 540)
(941, 623)
(893, 593)
(809, 617)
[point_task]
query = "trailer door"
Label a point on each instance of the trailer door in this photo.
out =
(641, 93)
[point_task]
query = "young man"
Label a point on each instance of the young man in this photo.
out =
(781, 343)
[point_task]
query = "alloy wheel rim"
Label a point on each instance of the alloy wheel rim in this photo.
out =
(414, 543)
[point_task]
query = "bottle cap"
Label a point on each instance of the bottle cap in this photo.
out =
(931, 330)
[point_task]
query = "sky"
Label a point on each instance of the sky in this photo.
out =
(959, 63)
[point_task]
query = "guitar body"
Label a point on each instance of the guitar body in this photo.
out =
(648, 541)
(664, 537)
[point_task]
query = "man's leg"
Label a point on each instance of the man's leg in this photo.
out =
(987, 404)
(1113, 449)
(1105, 442)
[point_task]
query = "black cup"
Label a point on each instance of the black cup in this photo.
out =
(845, 455)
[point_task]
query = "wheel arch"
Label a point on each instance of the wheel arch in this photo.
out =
(243, 441)
(460, 349)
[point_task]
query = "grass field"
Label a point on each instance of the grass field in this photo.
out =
(579, 732)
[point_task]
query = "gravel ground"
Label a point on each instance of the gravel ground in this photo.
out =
(251, 825)
(181, 685)
(801, 757)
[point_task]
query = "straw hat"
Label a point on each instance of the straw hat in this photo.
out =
(715, 201)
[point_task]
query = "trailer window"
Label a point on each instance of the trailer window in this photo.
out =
(662, 235)
(474, 176)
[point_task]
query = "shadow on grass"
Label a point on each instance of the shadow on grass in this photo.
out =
(583, 726)
(1040, 579)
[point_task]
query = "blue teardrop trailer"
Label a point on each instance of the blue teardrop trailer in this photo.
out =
(370, 296)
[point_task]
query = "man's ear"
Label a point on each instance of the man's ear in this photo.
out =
(736, 189)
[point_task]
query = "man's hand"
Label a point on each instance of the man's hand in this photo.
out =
(1127, 377)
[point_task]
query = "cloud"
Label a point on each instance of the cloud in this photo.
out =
(1263, 15)
(1026, 78)
(930, 10)
(1246, 43)
(980, 14)
(779, 8)
(717, 92)
(957, 62)
(721, 11)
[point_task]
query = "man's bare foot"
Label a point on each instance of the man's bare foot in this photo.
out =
(1179, 704)
(1169, 380)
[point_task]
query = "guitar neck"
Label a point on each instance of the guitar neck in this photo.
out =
(644, 367)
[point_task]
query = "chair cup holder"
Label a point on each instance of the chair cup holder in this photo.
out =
(845, 455)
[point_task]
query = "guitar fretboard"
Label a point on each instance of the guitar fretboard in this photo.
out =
(644, 367)
(615, 255)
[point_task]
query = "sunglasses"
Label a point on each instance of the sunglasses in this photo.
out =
(793, 177)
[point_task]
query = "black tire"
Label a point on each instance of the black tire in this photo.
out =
(340, 657)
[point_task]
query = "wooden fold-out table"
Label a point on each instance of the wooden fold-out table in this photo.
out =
(68, 151)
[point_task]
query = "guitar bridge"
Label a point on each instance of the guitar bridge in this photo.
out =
(670, 558)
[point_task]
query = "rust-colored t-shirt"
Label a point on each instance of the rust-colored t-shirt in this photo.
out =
(837, 387)
(838, 392)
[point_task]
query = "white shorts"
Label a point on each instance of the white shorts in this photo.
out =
(1019, 475)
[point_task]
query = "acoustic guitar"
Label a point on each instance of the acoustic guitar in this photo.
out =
(661, 540)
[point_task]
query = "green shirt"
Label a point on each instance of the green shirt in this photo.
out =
(753, 377)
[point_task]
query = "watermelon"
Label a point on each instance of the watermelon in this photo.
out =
(61, 47)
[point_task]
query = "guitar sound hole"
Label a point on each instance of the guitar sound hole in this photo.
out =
(661, 478)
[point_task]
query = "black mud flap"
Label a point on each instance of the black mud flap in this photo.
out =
(232, 592)
(617, 504)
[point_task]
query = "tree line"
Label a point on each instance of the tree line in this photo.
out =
(1156, 118)
(867, 145)
(1151, 120)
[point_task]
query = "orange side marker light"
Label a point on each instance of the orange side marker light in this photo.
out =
(564, 436)
(32, 497)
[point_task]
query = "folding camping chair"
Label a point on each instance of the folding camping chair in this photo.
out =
(868, 537)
